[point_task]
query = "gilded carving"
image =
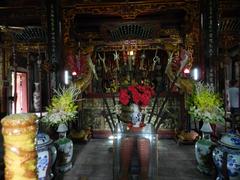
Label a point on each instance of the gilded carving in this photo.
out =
(127, 10)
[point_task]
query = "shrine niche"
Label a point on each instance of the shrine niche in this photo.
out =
(106, 47)
(128, 64)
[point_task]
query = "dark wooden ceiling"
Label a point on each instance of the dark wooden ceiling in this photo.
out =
(115, 28)
(107, 25)
(21, 12)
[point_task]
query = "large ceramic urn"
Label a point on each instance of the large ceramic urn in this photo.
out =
(64, 147)
(203, 150)
(37, 97)
(47, 154)
(226, 157)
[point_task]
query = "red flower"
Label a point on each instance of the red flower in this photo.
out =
(145, 99)
(138, 94)
(124, 96)
(136, 97)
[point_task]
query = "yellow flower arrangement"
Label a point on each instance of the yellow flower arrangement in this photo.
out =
(206, 104)
(63, 107)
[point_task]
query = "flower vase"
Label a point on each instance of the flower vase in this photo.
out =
(226, 157)
(37, 97)
(131, 114)
(47, 154)
(203, 150)
(64, 147)
(136, 115)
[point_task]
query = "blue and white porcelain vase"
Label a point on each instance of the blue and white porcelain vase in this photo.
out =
(229, 145)
(47, 154)
(136, 115)
(64, 147)
(203, 149)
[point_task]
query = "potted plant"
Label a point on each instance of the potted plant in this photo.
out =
(61, 111)
(207, 106)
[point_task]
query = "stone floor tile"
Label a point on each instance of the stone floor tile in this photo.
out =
(94, 161)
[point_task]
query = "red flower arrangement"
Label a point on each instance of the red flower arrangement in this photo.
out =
(138, 94)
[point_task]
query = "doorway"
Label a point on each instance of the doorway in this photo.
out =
(19, 92)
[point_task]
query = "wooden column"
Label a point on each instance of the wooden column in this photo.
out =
(54, 40)
(5, 87)
(1, 80)
(209, 20)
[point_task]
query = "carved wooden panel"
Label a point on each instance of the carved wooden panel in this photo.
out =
(128, 11)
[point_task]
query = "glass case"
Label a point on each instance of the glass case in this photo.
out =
(135, 153)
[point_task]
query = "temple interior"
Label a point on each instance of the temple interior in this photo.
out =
(120, 89)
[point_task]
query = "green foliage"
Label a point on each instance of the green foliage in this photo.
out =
(63, 107)
(205, 104)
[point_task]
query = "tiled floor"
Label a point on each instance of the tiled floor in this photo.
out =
(93, 161)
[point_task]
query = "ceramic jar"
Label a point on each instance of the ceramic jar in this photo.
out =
(203, 150)
(37, 97)
(64, 147)
(136, 115)
(47, 154)
(229, 146)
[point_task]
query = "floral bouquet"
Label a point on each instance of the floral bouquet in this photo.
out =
(206, 105)
(63, 108)
(133, 98)
(138, 94)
